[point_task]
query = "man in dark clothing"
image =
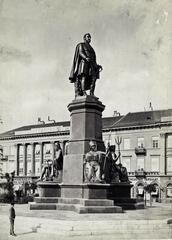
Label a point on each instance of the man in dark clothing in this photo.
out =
(12, 218)
(85, 70)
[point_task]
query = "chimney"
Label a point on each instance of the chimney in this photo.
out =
(40, 121)
(116, 114)
(150, 107)
(51, 120)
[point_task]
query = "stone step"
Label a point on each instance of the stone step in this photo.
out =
(131, 206)
(46, 199)
(102, 226)
(95, 202)
(89, 209)
(43, 206)
(86, 202)
(119, 234)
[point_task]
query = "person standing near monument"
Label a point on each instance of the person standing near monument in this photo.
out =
(12, 216)
(85, 70)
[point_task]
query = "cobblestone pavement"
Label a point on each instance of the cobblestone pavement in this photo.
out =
(158, 211)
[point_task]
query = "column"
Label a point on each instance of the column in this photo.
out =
(163, 153)
(41, 157)
(32, 158)
(52, 150)
(16, 159)
(24, 160)
(62, 144)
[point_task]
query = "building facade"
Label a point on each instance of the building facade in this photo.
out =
(143, 138)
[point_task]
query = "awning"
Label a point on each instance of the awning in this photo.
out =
(140, 191)
(169, 192)
(155, 193)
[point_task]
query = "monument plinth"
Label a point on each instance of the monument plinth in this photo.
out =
(86, 125)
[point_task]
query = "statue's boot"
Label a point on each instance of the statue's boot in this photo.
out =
(83, 88)
(92, 88)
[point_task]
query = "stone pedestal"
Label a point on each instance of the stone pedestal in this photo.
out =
(47, 189)
(86, 125)
(120, 194)
(73, 193)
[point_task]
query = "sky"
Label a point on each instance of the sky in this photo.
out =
(132, 41)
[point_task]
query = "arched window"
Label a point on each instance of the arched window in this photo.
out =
(169, 190)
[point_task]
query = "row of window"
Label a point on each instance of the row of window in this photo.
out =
(126, 162)
(46, 149)
(126, 143)
(140, 142)
(140, 163)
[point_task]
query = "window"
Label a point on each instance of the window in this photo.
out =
(169, 164)
(37, 166)
(46, 148)
(5, 151)
(29, 149)
(37, 149)
(126, 143)
(155, 164)
(126, 163)
(21, 150)
(140, 142)
(28, 167)
(169, 141)
(11, 150)
(155, 142)
(140, 164)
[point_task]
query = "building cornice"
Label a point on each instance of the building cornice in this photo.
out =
(36, 135)
(131, 128)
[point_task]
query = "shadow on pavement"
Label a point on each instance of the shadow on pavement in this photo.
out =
(25, 233)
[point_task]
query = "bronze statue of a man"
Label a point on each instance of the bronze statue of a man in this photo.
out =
(85, 70)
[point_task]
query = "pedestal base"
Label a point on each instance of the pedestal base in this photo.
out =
(49, 189)
(120, 194)
(88, 191)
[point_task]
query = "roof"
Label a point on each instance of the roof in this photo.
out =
(144, 118)
(136, 119)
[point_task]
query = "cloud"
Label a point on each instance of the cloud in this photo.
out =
(8, 54)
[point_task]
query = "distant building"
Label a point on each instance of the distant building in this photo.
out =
(146, 149)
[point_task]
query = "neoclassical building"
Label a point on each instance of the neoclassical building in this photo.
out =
(144, 138)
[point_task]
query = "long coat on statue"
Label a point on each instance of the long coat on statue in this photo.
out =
(81, 66)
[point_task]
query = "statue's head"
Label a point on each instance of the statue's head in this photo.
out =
(57, 145)
(87, 37)
(93, 145)
(112, 148)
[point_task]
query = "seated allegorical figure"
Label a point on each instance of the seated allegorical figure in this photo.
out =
(116, 170)
(58, 160)
(51, 167)
(92, 162)
(46, 170)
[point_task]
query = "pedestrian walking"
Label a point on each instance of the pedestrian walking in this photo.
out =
(12, 218)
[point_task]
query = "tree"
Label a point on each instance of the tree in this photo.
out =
(149, 189)
(8, 195)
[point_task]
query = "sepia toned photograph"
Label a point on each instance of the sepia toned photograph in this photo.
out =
(85, 119)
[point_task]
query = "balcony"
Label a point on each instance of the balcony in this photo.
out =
(140, 151)
(140, 173)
